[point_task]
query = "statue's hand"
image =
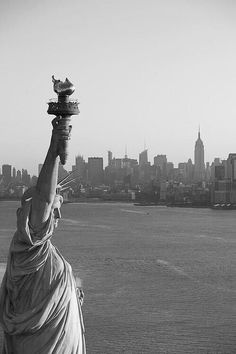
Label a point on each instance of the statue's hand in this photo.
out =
(60, 134)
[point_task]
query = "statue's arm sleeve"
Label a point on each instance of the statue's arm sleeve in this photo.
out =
(45, 190)
(26, 232)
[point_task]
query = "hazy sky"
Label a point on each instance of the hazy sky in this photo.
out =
(146, 72)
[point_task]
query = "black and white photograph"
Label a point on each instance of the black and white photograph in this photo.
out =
(118, 177)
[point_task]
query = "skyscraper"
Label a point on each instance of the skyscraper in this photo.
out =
(6, 173)
(199, 165)
(109, 158)
(143, 158)
(80, 166)
(95, 170)
(161, 162)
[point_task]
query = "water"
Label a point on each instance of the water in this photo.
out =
(156, 279)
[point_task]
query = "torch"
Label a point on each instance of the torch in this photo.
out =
(63, 108)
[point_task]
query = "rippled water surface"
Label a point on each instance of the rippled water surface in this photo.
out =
(156, 279)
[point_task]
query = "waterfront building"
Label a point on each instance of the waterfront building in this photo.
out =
(25, 177)
(170, 171)
(6, 174)
(120, 172)
(215, 163)
(80, 168)
(146, 173)
(199, 165)
(231, 176)
(189, 171)
(18, 176)
(231, 167)
(163, 191)
(143, 158)
(109, 158)
(161, 162)
(225, 180)
(95, 171)
(208, 172)
(14, 173)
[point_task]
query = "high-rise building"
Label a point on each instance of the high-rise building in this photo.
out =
(95, 171)
(25, 177)
(143, 158)
(199, 165)
(208, 172)
(6, 174)
(190, 171)
(161, 162)
(14, 173)
(170, 171)
(109, 158)
(80, 167)
(231, 167)
(18, 176)
(215, 163)
(182, 167)
(231, 175)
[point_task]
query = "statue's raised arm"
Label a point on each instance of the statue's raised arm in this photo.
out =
(63, 109)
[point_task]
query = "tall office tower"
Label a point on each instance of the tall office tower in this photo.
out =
(95, 171)
(229, 178)
(6, 174)
(14, 173)
(80, 167)
(170, 171)
(143, 158)
(190, 171)
(208, 172)
(161, 162)
(18, 176)
(25, 177)
(199, 165)
(215, 163)
(109, 158)
(231, 167)
(182, 167)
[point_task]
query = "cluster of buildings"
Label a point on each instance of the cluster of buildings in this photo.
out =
(13, 183)
(190, 183)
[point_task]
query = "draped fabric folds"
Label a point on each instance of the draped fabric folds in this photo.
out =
(39, 309)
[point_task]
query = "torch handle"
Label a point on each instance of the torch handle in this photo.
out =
(64, 124)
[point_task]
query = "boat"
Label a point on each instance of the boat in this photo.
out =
(224, 206)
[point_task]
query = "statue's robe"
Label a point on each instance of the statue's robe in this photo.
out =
(39, 309)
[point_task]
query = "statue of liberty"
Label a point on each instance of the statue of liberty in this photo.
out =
(40, 305)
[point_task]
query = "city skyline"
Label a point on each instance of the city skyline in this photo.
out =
(198, 158)
(146, 72)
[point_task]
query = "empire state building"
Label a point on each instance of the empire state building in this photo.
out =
(199, 165)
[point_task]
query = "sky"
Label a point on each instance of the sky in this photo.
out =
(147, 74)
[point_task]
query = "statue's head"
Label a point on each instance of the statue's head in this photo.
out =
(56, 205)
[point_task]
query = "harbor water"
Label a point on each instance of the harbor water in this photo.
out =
(156, 279)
